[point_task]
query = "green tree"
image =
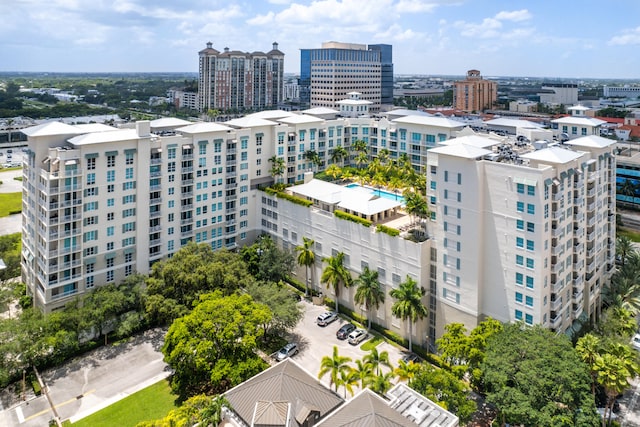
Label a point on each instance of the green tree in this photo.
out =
(369, 292)
(266, 261)
(306, 258)
(408, 305)
(364, 372)
(624, 248)
(348, 379)
(613, 376)
(334, 366)
(277, 167)
(313, 157)
(285, 310)
(213, 347)
(334, 171)
(406, 371)
(588, 348)
(535, 377)
(445, 389)
(377, 359)
(336, 275)
(381, 383)
(339, 154)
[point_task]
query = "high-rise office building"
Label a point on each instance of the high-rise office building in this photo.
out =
(240, 80)
(328, 74)
(474, 94)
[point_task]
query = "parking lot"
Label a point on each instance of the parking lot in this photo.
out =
(315, 342)
(13, 158)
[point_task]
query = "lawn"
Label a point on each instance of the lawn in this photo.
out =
(632, 235)
(10, 202)
(150, 403)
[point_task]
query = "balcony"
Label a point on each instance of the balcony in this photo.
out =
(156, 161)
(155, 201)
(154, 242)
(591, 236)
(64, 294)
(578, 284)
(70, 249)
(591, 206)
(154, 214)
(186, 221)
(557, 286)
(70, 264)
(186, 233)
(557, 267)
(557, 197)
(69, 218)
(155, 174)
(591, 267)
(187, 181)
(577, 297)
(187, 157)
(556, 304)
(592, 176)
(591, 221)
(577, 311)
(69, 203)
(557, 232)
(155, 187)
(155, 228)
(555, 322)
(578, 200)
(187, 169)
(579, 247)
(187, 207)
(186, 194)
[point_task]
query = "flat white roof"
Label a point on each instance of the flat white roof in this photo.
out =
(356, 199)
(473, 140)
(434, 121)
(51, 129)
(94, 127)
(553, 155)
(203, 127)
(249, 122)
(320, 110)
(461, 150)
(102, 137)
(354, 102)
(573, 120)
(591, 141)
(270, 114)
(166, 122)
(516, 123)
(300, 119)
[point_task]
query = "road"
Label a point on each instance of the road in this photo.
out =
(95, 381)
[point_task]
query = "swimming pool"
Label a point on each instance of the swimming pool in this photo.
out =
(382, 193)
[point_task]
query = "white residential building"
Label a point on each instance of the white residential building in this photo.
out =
(577, 125)
(522, 234)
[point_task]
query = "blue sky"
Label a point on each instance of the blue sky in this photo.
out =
(543, 38)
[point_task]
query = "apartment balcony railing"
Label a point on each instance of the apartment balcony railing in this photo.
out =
(154, 214)
(577, 311)
(64, 294)
(555, 322)
(187, 157)
(155, 228)
(557, 197)
(156, 161)
(579, 247)
(155, 174)
(556, 304)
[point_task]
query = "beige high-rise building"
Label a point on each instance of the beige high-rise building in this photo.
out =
(474, 93)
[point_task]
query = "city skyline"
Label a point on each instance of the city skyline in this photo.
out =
(448, 37)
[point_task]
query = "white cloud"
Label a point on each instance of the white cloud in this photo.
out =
(397, 33)
(515, 16)
(415, 6)
(488, 28)
(279, 1)
(628, 37)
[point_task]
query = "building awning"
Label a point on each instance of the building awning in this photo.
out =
(187, 146)
(203, 142)
(548, 181)
(156, 150)
(525, 181)
(110, 255)
(111, 153)
(91, 155)
(556, 181)
(91, 260)
(218, 140)
(171, 146)
(71, 162)
(292, 134)
(130, 151)
(260, 134)
(563, 175)
(571, 172)
(128, 251)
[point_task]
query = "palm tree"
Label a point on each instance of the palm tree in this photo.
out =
(369, 292)
(334, 171)
(406, 371)
(378, 180)
(313, 157)
(361, 159)
(339, 154)
(376, 360)
(613, 377)
(348, 379)
(335, 275)
(364, 372)
(212, 414)
(334, 365)
(306, 257)
(359, 146)
(624, 247)
(395, 184)
(381, 383)
(588, 348)
(416, 205)
(408, 305)
(628, 189)
(277, 166)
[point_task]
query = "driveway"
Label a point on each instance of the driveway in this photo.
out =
(95, 381)
(315, 342)
(10, 185)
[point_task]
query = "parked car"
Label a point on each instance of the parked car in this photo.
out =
(411, 357)
(287, 351)
(635, 341)
(345, 330)
(357, 336)
(327, 317)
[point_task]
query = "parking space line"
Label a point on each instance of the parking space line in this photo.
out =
(75, 399)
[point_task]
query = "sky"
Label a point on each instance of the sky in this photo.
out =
(536, 38)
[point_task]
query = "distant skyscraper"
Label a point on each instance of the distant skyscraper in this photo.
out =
(474, 93)
(240, 80)
(328, 74)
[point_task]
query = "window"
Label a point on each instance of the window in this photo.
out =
(530, 245)
(111, 161)
(91, 164)
(519, 297)
(528, 319)
(529, 301)
(129, 185)
(110, 246)
(520, 224)
(128, 241)
(519, 260)
(520, 188)
(91, 178)
(110, 216)
(520, 206)
(89, 282)
(530, 227)
(446, 176)
(110, 276)
(110, 230)
(90, 236)
(531, 208)
(129, 173)
(90, 206)
(519, 278)
(129, 158)
(518, 315)
(531, 190)
(529, 282)
(130, 198)
(129, 226)
(530, 263)
(519, 242)
(111, 176)
(110, 202)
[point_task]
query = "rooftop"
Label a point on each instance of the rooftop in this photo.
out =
(203, 127)
(429, 121)
(102, 137)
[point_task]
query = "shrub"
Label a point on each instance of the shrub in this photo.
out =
(390, 231)
(353, 218)
(293, 199)
(36, 387)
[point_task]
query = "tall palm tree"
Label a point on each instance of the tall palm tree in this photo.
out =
(334, 365)
(277, 166)
(395, 184)
(339, 154)
(359, 146)
(613, 377)
(306, 257)
(336, 275)
(588, 348)
(313, 157)
(369, 292)
(624, 247)
(361, 159)
(363, 371)
(212, 414)
(348, 379)
(408, 305)
(377, 359)
(416, 205)
(406, 371)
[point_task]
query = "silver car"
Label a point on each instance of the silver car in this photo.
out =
(357, 336)
(327, 317)
(288, 350)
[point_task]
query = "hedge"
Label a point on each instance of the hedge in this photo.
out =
(36, 387)
(390, 231)
(354, 218)
(293, 199)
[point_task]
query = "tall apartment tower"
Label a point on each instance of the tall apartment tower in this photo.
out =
(474, 93)
(522, 234)
(240, 80)
(328, 74)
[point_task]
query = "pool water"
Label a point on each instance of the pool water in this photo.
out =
(381, 193)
